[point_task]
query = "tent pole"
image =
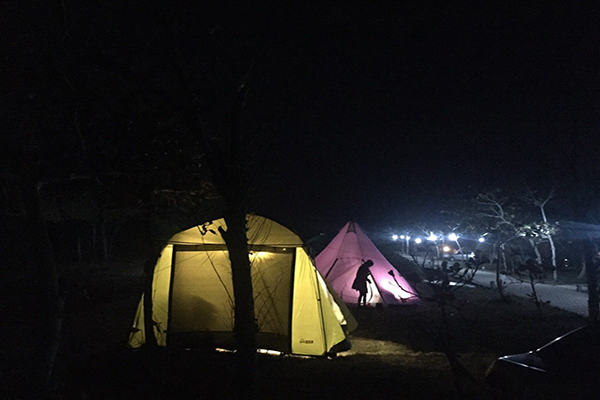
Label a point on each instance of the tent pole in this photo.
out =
(291, 309)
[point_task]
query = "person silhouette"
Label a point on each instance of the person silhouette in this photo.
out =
(360, 282)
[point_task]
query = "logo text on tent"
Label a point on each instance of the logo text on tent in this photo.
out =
(307, 341)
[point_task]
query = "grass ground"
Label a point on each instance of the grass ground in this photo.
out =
(395, 352)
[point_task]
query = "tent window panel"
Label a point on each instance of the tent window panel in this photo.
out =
(271, 280)
(202, 292)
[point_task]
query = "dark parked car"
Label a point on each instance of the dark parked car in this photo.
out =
(566, 368)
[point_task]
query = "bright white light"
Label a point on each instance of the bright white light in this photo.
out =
(402, 237)
(453, 236)
(394, 237)
(408, 238)
(481, 240)
(432, 237)
(418, 240)
(446, 249)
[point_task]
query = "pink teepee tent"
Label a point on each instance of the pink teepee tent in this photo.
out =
(339, 262)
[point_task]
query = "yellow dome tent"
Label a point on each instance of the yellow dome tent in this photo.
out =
(192, 293)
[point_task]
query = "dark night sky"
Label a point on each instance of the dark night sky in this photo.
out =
(376, 111)
(396, 107)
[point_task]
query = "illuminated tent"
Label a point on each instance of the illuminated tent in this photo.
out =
(339, 262)
(192, 293)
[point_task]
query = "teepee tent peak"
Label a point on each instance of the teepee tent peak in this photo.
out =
(192, 293)
(339, 263)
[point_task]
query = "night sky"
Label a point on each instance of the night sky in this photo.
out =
(376, 111)
(398, 107)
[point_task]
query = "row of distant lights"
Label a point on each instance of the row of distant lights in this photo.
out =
(432, 238)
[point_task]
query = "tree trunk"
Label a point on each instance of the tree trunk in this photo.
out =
(245, 326)
(499, 279)
(553, 252)
(551, 241)
(503, 254)
(228, 173)
(534, 295)
(538, 255)
(591, 268)
(499, 283)
(583, 272)
(150, 338)
(50, 301)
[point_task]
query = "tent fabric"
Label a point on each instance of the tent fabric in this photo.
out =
(339, 262)
(261, 231)
(193, 301)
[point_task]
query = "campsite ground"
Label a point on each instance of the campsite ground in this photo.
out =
(396, 351)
